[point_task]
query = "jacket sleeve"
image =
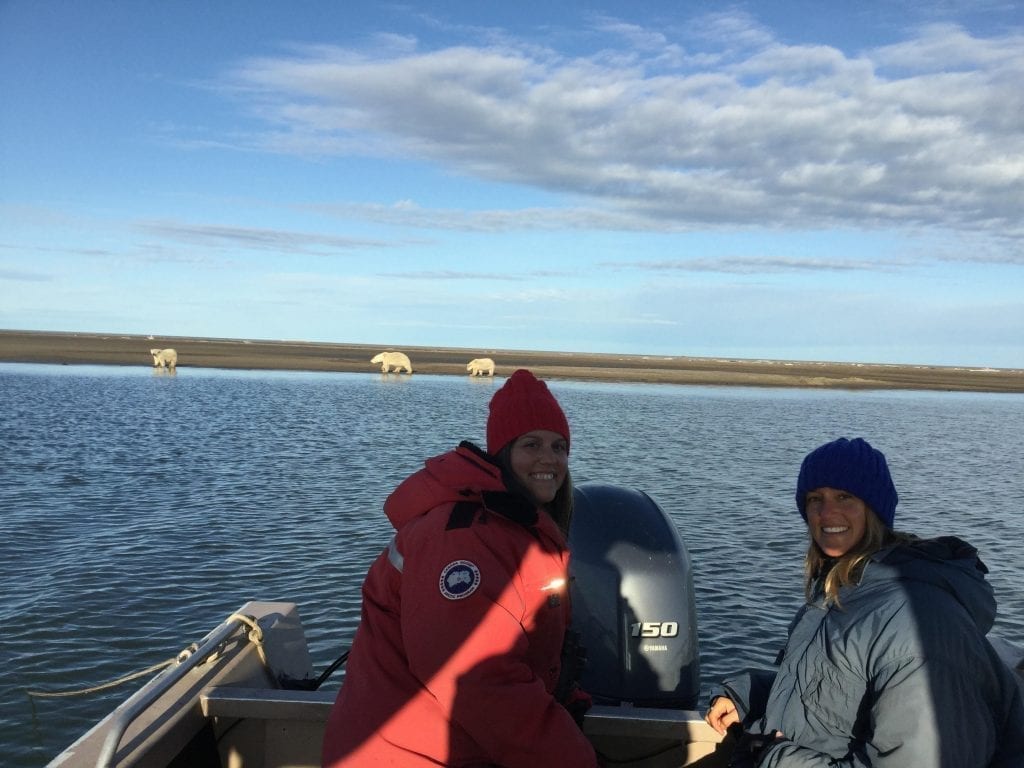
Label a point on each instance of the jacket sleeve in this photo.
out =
(472, 655)
(748, 690)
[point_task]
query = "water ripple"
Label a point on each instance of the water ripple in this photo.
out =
(139, 510)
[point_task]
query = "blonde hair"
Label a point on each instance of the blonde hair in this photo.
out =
(839, 572)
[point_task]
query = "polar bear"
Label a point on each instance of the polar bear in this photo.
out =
(399, 360)
(482, 366)
(164, 358)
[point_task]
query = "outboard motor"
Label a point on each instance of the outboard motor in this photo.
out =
(632, 600)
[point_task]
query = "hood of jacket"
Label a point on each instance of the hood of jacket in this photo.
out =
(466, 474)
(948, 563)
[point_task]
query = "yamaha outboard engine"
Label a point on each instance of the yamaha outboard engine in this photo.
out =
(632, 600)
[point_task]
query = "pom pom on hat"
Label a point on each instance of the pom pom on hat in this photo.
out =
(523, 404)
(852, 466)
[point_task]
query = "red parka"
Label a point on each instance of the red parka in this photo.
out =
(458, 652)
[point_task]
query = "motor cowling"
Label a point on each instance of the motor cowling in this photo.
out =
(633, 604)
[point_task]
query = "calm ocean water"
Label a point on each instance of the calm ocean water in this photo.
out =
(138, 509)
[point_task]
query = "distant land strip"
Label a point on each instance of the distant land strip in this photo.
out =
(256, 354)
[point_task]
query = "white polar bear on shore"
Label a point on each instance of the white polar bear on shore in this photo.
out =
(482, 366)
(399, 360)
(164, 358)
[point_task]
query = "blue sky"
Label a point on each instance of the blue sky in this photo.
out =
(783, 180)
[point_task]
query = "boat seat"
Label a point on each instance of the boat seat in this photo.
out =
(267, 703)
(314, 706)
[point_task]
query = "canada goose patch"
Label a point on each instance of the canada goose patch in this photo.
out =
(459, 579)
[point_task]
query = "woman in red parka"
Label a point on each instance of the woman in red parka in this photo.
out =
(457, 656)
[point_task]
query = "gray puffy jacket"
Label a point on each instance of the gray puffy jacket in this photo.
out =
(900, 675)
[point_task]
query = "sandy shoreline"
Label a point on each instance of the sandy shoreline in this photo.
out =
(120, 349)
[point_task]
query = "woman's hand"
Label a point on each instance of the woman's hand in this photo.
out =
(721, 714)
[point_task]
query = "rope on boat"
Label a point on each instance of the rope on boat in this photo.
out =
(255, 636)
(119, 681)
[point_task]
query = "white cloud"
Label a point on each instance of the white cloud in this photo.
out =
(782, 135)
(276, 240)
(747, 265)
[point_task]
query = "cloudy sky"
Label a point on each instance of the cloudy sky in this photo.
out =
(801, 180)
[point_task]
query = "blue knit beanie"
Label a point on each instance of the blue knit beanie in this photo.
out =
(852, 466)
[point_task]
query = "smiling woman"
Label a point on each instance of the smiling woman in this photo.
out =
(528, 432)
(469, 606)
(836, 520)
(887, 663)
(847, 498)
(539, 461)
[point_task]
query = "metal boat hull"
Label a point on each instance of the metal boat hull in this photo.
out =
(228, 709)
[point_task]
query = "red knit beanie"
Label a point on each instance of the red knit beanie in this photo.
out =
(522, 405)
